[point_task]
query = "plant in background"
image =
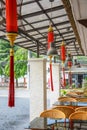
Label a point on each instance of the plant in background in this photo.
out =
(67, 86)
(73, 85)
(63, 92)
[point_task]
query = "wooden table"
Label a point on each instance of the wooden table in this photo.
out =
(76, 104)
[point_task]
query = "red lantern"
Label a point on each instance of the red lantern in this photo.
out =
(12, 29)
(50, 35)
(50, 40)
(63, 52)
(63, 58)
(69, 60)
(70, 64)
(11, 16)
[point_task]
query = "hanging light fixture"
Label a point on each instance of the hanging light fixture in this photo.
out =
(51, 47)
(52, 51)
(12, 29)
(63, 58)
(69, 60)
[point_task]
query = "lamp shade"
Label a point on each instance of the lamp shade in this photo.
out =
(52, 51)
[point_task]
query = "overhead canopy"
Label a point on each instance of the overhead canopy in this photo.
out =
(33, 22)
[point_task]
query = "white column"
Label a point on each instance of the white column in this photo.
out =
(53, 95)
(38, 96)
(28, 70)
(28, 76)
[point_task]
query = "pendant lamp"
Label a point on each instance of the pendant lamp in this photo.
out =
(51, 47)
(52, 51)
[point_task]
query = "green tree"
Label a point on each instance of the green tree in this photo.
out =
(20, 60)
(4, 52)
(20, 64)
(20, 67)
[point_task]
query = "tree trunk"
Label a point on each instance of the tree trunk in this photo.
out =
(16, 83)
(24, 82)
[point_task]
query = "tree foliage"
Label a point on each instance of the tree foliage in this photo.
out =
(20, 60)
(4, 52)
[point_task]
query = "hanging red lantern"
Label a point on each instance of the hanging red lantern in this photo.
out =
(50, 36)
(50, 42)
(69, 64)
(12, 29)
(69, 60)
(11, 16)
(63, 58)
(63, 52)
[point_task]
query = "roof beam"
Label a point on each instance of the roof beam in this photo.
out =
(41, 12)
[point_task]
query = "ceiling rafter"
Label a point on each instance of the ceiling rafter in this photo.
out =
(33, 25)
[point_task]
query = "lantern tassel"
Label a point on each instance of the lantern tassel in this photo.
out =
(51, 77)
(11, 37)
(11, 85)
(64, 80)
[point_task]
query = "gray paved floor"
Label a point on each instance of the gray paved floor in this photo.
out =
(16, 118)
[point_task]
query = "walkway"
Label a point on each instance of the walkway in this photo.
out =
(16, 118)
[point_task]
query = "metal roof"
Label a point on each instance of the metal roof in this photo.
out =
(33, 22)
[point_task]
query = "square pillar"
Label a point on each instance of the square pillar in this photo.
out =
(38, 96)
(53, 95)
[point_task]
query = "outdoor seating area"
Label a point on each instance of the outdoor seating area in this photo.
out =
(69, 113)
(61, 117)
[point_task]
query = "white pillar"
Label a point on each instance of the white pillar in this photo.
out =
(28, 76)
(38, 96)
(28, 70)
(53, 95)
